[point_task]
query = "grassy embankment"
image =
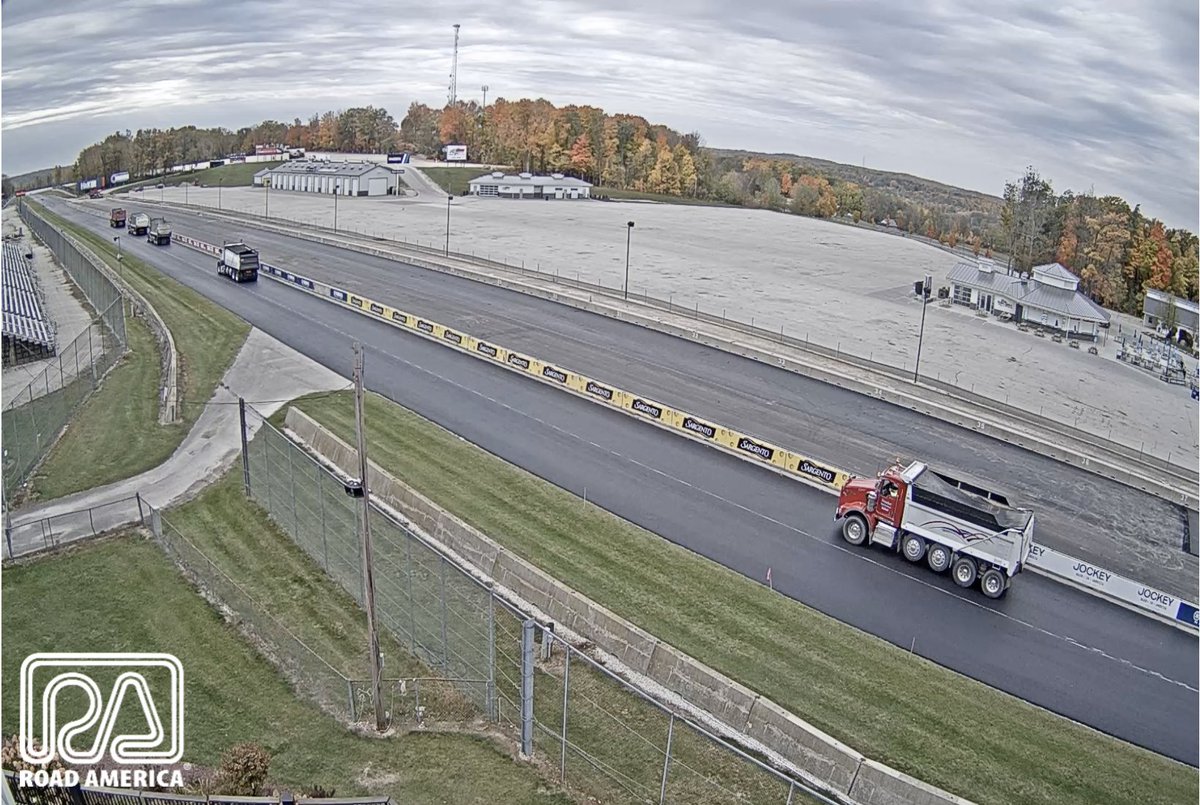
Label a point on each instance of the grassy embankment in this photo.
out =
(231, 174)
(969, 739)
(116, 434)
(124, 594)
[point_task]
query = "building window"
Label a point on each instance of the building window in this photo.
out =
(962, 295)
(488, 190)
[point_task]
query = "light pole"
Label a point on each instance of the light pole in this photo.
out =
(925, 290)
(337, 188)
(628, 238)
(267, 198)
(220, 182)
(117, 240)
(185, 193)
(448, 200)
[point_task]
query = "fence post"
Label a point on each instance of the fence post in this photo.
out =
(353, 704)
(245, 453)
(321, 497)
(292, 486)
(445, 642)
(662, 792)
(408, 576)
(490, 694)
(141, 514)
(562, 763)
(527, 688)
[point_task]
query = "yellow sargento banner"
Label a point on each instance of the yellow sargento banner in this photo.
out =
(749, 447)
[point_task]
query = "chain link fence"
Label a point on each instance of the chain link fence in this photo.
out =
(35, 415)
(54, 531)
(597, 732)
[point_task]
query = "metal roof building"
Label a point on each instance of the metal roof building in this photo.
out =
(1050, 298)
(324, 176)
(1156, 313)
(527, 185)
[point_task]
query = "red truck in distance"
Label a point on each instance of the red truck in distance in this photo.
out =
(952, 524)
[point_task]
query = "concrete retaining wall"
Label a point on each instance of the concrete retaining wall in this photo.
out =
(822, 759)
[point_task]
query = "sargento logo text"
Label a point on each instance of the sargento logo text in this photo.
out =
(650, 409)
(554, 374)
(518, 361)
(696, 426)
(809, 468)
(600, 391)
(486, 349)
(156, 733)
(751, 446)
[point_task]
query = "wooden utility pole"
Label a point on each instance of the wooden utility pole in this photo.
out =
(367, 558)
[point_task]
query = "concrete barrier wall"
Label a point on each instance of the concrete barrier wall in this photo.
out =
(823, 760)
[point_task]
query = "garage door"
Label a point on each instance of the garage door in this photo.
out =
(377, 186)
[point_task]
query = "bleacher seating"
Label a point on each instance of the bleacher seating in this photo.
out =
(28, 334)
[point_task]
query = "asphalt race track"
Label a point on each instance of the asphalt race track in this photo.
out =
(1081, 514)
(1051, 645)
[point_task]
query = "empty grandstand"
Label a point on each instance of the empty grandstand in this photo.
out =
(28, 334)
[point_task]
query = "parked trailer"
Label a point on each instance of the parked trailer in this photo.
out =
(238, 262)
(159, 232)
(138, 223)
(952, 524)
(116, 217)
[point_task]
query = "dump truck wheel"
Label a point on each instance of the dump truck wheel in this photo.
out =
(964, 571)
(993, 583)
(913, 547)
(938, 558)
(854, 529)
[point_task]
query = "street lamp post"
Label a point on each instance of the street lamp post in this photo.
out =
(448, 200)
(925, 291)
(267, 199)
(185, 193)
(117, 240)
(220, 182)
(628, 238)
(337, 188)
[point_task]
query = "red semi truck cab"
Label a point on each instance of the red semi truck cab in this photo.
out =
(952, 524)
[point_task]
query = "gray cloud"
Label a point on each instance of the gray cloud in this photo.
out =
(1096, 94)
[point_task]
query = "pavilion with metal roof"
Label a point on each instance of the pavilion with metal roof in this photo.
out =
(1050, 298)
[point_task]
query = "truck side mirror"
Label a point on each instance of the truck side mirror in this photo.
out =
(871, 499)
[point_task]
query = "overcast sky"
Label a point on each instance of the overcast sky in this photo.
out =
(1098, 96)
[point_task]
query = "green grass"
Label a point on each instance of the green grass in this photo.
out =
(236, 174)
(207, 339)
(969, 739)
(123, 594)
(113, 435)
(454, 180)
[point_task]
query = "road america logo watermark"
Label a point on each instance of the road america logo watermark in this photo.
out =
(48, 678)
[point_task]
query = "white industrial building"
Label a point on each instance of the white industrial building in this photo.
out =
(1166, 312)
(1049, 299)
(324, 176)
(527, 185)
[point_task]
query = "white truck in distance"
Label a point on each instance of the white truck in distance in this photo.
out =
(952, 524)
(159, 232)
(138, 223)
(238, 262)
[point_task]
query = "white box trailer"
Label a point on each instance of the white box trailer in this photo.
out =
(952, 524)
(138, 223)
(238, 262)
